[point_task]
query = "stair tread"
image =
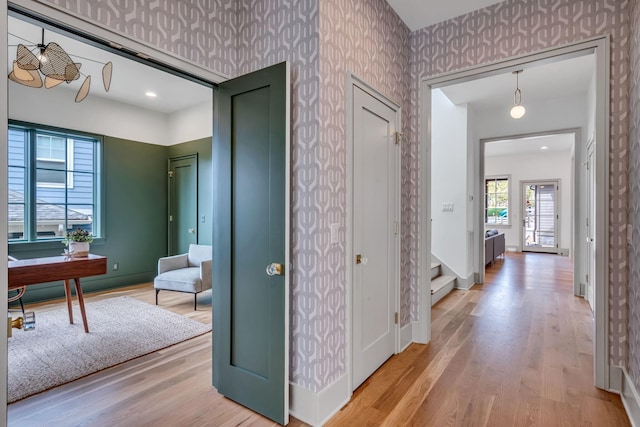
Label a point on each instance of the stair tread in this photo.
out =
(435, 265)
(441, 281)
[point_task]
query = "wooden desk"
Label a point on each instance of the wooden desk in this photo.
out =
(27, 272)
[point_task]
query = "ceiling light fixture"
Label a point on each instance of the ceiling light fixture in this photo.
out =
(151, 94)
(55, 65)
(517, 111)
(544, 147)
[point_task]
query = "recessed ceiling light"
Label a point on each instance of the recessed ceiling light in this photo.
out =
(151, 94)
(544, 147)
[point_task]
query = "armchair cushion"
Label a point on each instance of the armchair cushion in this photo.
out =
(183, 280)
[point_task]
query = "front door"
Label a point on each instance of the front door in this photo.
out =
(540, 216)
(251, 241)
(183, 203)
(375, 233)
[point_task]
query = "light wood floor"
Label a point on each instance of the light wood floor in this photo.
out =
(516, 351)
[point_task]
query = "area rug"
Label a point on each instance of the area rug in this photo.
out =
(120, 329)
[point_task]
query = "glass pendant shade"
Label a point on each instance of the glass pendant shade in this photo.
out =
(517, 111)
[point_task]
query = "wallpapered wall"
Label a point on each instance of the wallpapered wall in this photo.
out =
(201, 31)
(515, 27)
(634, 198)
(368, 39)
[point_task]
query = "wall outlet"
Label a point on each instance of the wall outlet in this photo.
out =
(116, 266)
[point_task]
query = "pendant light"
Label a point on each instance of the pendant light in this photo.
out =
(50, 61)
(517, 111)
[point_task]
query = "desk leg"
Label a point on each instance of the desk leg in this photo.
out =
(81, 303)
(67, 294)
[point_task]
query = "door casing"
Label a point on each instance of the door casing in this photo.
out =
(352, 81)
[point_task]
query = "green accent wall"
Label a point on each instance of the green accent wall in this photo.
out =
(205, 183)
(135, 215)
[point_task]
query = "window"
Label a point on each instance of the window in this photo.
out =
(496, 200)
(53, 183)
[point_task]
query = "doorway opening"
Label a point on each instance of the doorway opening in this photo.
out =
(484, 121)
(138, 134)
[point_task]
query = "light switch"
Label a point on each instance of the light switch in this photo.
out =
(335, 228)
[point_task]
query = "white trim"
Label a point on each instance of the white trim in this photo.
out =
(628, 395)
(317, 408)
(406, 336)
(465, 283)
(4, 120)
(422, 334)
(601, 46)
(287, 238)
(353, 81)
(80, 23)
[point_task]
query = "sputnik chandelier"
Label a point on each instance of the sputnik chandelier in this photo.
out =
(55, 65)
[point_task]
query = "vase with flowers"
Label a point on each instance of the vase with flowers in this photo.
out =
(77, 242)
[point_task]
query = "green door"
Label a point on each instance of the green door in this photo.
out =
(183, 203)
(251, 241)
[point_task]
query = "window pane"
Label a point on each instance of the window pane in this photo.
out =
(80, 216)
(82, 191)
(50, 220)
(51, 147)
(51, 173)
(16, 145)
(497, 201)
(83, 155)
(16, 220)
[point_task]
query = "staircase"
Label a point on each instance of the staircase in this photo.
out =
(440, 285)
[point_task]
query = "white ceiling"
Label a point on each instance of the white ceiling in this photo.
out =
(537, 82)
(423, 13)
(130, 80)
(561, 143)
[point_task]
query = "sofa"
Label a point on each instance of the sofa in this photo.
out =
(494, 245)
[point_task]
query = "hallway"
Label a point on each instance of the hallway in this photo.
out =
(515, 351)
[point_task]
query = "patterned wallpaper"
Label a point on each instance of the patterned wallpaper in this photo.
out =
(515, 27)
(367, 39)
(634, 198)
(201, 31)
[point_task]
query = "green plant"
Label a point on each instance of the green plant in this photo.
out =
(77, 235)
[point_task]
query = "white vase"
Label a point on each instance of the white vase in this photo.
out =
(79, 249)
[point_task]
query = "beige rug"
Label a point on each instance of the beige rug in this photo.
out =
(121, 329)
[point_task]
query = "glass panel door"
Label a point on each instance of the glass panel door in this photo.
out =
(540, 216)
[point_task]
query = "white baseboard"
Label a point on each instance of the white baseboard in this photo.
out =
(406, 336)
(465, 284)
(315, 408)
(629, 396)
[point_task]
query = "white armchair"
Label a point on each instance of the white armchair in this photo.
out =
(190, 272)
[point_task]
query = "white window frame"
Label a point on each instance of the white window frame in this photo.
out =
(509, 200)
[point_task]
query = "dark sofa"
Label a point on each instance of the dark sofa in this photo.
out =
(494, 245)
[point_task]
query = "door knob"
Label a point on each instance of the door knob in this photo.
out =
(192, 230)
(361, 259)
(275, 269)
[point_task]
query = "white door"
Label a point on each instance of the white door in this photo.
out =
(591, 249)
(540, 216)
(375, 234)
